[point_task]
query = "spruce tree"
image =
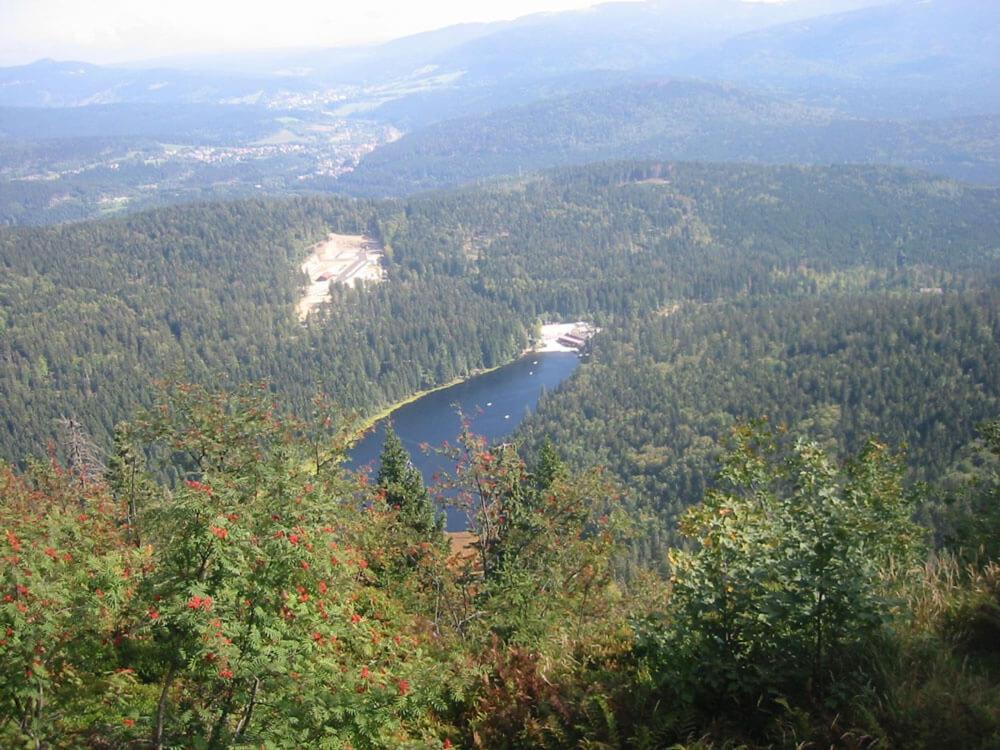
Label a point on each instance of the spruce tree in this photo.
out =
(550, 466)
(403, 488)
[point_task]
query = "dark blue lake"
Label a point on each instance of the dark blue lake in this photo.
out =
(495, 402)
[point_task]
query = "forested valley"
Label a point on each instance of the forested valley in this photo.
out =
(93, 312)
(792, 539)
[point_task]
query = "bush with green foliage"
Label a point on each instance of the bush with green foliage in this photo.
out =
(783, 590)
(239, 607)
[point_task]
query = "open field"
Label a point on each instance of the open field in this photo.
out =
(340, 259)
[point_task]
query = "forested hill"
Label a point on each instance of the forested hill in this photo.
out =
(687, 120)
(91, 313)
(655, 404)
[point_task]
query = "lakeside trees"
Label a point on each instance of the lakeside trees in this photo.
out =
(91, 314)
(401, 486)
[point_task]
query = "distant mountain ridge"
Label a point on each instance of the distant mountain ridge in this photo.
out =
(846, 45)
(915, 42)
(688, 120)
(914, 83)
(623, 35)
(945, 49)
(51, 83)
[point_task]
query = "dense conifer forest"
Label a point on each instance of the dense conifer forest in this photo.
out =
(93, 313)
(659, 396)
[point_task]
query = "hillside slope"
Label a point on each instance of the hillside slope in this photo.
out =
(677, 120)
(91, 313)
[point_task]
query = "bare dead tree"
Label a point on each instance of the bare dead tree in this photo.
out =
(83, 456)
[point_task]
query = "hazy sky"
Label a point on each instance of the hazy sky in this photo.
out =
(121, 30)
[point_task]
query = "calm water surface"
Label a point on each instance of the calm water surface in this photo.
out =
(495, 402)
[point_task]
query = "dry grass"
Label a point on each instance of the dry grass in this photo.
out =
(462, 544)
(939, 677)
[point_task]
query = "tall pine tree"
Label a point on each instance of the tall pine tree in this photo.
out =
(403, 487)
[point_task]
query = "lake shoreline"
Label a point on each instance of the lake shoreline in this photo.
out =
(493, 403)
(369, 422)
(547, 343)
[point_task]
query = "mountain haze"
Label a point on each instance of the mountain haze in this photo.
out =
(722, 39)
(671, 120)
(926, 57)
